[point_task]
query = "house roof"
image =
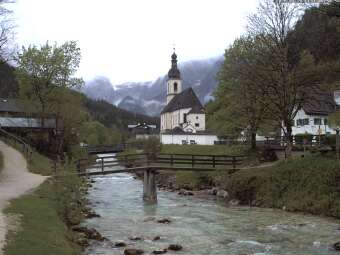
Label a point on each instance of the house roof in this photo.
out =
(26, 122)
(321, 104)
(186, 99)
(15, 106)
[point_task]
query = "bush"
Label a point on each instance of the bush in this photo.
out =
(152, 146)
(299, 138)
(329, 140)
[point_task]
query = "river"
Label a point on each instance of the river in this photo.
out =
(201, 226)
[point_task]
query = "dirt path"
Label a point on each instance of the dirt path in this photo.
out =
(15, 180)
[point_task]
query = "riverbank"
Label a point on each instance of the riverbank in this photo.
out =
(1, 161)
(45, 216)
(308, 185)
(15, 181)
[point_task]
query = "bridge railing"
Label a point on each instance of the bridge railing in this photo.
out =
(19, 143)
(178, 161)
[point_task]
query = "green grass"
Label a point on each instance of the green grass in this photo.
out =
(40, 164)
(309, 184)
(204, 149)
(41, 229)
(1, 161)
(46, 213)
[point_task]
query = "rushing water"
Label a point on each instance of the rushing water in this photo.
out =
(201, 226)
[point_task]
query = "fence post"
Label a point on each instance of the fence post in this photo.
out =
(171, 160)
(102, 164)
(234, 162)
(192, 160)
(213, 159)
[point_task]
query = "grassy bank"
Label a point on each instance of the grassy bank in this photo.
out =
(1, 161)
(46, 214)
(309, 184)
(204, 149)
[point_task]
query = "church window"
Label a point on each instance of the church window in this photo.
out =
(175, 87)
(185, 118)
(196, 117)
(197, 124)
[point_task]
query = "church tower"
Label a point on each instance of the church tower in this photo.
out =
(174, 82)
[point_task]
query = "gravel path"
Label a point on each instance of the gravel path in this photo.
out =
(15, 180)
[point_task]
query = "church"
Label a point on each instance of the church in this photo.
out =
(183, 117)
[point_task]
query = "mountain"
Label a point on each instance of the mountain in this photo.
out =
(149, 97)
(99, 88)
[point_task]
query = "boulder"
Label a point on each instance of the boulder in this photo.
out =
(222, 194)
(91, 215)
(175, 247)
(135, 238)
(160, 251)
(90, 233)
(82, 241)
(133, 252)
(214, 191)
(156, 238)
(234, 202)
(120, 244)
(336, 246)
(164, 221)
(184, 192)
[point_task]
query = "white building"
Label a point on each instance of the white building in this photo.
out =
(183, 117)
(312, 118)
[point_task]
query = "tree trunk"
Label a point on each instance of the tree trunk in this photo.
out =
(253, 141)
(289, 142)
(337, 143)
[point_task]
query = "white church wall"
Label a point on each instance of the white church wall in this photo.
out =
(200, 139)
(197, 120)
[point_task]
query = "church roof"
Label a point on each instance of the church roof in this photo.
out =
(186, 99)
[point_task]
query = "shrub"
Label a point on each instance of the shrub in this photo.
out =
(299, 138)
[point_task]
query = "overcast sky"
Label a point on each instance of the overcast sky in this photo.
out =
(132, 40)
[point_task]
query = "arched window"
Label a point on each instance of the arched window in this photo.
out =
(175, 87)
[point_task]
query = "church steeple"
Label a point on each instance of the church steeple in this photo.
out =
(174, 73)
(174, 83)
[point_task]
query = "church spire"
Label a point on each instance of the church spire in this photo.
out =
(174, 73)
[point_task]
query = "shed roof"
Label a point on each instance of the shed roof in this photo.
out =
(321, 103)
(15, 106)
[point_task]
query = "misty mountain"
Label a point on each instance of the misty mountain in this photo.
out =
(100, 88)
(149, 97)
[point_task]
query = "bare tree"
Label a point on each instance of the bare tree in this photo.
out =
(286, 85)
(6, 32)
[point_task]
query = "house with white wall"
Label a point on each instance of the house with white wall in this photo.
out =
(183, 117)
(312, 118)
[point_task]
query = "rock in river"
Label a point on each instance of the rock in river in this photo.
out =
(160, 251)
(336, 246)
(120, 244)
(175, 247)
(164, 221)
(222, 193)
(133, 252)
(135, 238)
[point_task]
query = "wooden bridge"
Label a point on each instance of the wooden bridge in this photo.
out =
(151, 164)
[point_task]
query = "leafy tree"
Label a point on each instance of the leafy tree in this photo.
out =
(286, 86)
(42, 71)
(239, 101)
(45, 76)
